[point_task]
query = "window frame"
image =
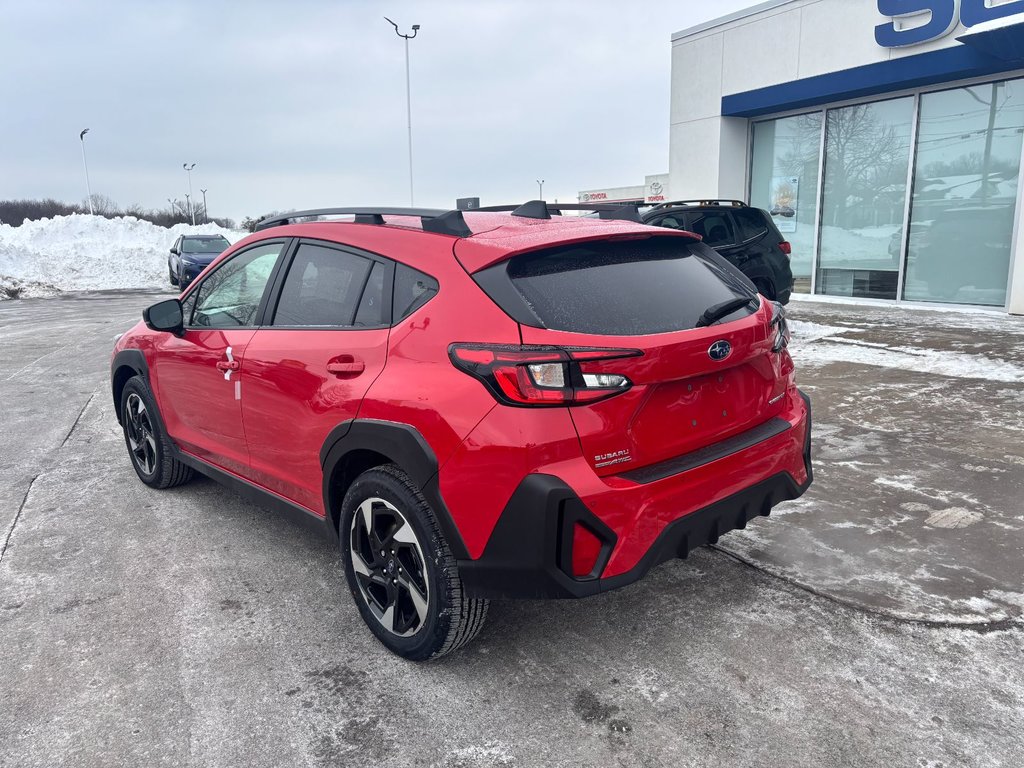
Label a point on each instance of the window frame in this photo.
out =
(268, 312)
(192, 294)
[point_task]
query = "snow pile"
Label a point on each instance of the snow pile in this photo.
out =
(82, 252)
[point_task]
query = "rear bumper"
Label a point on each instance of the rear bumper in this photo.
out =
(528, 554)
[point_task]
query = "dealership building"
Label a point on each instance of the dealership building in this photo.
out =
(888, 148)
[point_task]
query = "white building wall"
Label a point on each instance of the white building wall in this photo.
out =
(779, 42)
(775, 42)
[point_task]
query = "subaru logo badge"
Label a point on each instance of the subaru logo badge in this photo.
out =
(719, 350)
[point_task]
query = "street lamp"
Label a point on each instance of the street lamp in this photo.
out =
(408, 96)
(88, 188)
(540, 189)
(206, 211)
(188, 169)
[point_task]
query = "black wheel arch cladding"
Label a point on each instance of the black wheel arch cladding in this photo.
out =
(126, 364)
(399, 444)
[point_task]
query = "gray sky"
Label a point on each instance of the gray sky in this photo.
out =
(302, 104)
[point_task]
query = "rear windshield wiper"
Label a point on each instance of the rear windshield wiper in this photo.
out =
(718, 311)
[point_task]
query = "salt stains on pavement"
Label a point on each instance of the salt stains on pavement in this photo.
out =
(916, 509)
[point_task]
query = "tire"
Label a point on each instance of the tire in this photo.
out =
(765, 287)
(438, 618)
(174, 281)
(149, 448)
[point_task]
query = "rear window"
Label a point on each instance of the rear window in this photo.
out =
(620, 288)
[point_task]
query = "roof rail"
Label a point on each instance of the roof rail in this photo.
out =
(539, 209)
(700, 203)
(431, 219)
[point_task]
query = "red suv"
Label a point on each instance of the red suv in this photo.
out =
(474, 406)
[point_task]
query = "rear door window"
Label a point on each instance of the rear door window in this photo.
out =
(619, 288)
(323, 288)
(715, 227)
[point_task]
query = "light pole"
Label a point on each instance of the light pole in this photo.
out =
(206, 211)
(540, 189)
(188, 169)
(408, 97)
(188, 205)
(85, 162)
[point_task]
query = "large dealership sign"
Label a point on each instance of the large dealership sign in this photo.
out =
(918, 21)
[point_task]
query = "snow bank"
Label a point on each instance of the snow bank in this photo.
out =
(82, 252)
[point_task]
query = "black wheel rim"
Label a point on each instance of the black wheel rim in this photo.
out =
(389, 567)
(139, 430)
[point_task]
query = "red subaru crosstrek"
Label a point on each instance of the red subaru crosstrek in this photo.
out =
(474, 406)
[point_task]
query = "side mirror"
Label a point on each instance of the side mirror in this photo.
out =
(174, 250)
(165, 316)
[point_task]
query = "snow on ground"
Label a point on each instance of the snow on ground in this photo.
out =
(82, 252)
(817, 344)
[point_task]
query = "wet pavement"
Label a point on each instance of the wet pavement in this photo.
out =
(876, 621)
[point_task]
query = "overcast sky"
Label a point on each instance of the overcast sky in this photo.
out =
(298, 104)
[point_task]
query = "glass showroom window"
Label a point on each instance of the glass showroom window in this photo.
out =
(867, 153)
(965, 191)
(784, 181)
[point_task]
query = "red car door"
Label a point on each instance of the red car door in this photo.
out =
(308, 368)
(199, 375)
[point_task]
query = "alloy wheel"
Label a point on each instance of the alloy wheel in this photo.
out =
(389, 567)
(139, 429)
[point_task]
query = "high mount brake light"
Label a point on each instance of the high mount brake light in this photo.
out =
(533, 375)
(780, 327)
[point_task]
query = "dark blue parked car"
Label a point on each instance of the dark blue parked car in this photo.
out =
(190, 254)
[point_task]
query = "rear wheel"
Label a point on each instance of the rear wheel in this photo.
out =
(149, 447)
(400, 570)
(765, 287)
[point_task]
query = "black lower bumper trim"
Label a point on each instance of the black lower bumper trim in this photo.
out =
(525, 555)
(520, 560)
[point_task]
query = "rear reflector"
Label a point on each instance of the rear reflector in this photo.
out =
(786, 248)
(534, 375)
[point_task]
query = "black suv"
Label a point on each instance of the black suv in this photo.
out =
(744, 236)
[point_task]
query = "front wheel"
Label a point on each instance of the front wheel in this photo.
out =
(170, 275)
(149, 447)
(400, 570)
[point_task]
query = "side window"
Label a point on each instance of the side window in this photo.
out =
(671, 222)
(230, 297)
(413, 289)
(322, 288)
(716, 229)
(749, 223)
(187, 307)
(371, 305)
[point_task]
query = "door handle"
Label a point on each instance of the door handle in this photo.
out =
(228, 365)
(345, 366)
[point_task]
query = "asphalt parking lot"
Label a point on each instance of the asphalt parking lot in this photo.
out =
(876, 621)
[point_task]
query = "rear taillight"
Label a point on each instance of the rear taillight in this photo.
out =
(779, 327)
(786, 248)
(530, 375)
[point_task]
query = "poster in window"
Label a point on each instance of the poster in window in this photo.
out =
(784, 194)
